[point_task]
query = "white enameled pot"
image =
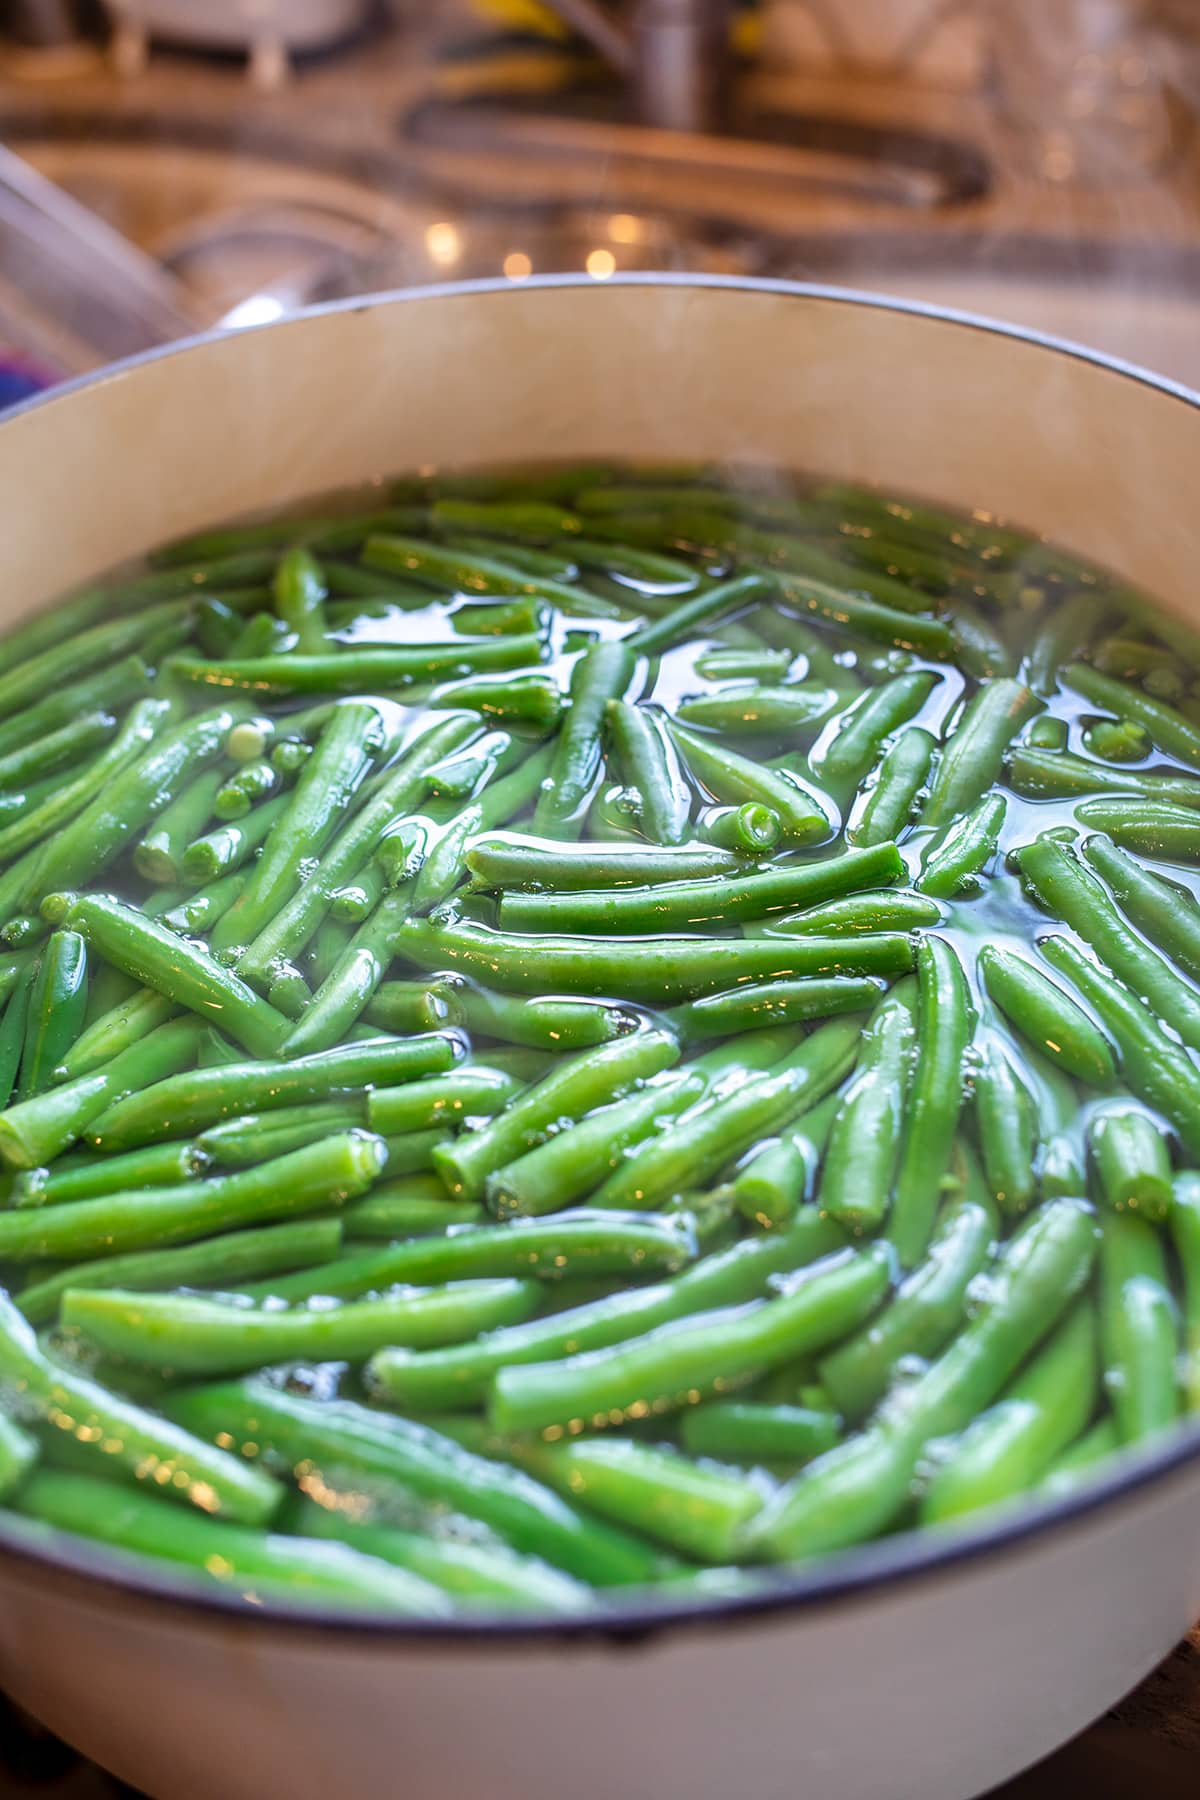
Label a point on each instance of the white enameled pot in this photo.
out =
(924, 1667)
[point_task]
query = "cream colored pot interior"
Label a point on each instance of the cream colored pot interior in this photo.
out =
(653, 370)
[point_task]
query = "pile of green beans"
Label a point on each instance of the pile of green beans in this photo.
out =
(581, 1028)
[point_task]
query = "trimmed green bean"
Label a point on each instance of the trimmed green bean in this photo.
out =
(1006, 1120)
(57, 1003)
(601, 674)
(86, 1177)
(1167, 728)
(971, 762)
(733, 778)
(1139, 1328)
(935, 1097)
(963, 848)
(650, 769)
(1071, 893)
(681, 1363)
(864, 728)
(647, 969)
(1166, 914)
(526, 862)
(1133, 1165)
(889, 804)
(1046, 1016)
(1057, 775)
(864, 1140)
(1010, 1446)
(337, 1439)
(183, 1468)
(326, 1173)
(1153, 829)
(224, 1262)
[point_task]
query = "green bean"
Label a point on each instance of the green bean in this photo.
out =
(33, 1132)
(861, 1486)
(362, 667)
(250, 783)
(12, 1028)
(958, 853)
(283, 534)
(107, 691)
(344, 994)
(570, 1243)
(1067, 632)
(487, 618)
(864, 1139)
(601, 674)
(575, 1087)
(198, 1099)
(887, 909)
(1132, 1162)
(576, 1160)
(1166, 914)
(79, 655)
(86, 1177)
(944, 1027)
(688, 1151)
(863, 729)
(675, 905)
(473, 1092)
(448, 569)
(651, 970)
(460, 775)
(1047, 1017)
(1010, 1446)
(326, 785)
(159, 855)
(1117, 740)
(186, 1470)
(926, 1309)
(1046, 733)
(404, 1007)
(460, 1376)
(928, 637)
(533, 700)
(1055, 774)
(292, 926)
(1168, 729)
(733, 778)
(414, 1151)
(971, 762)
(712, 602)
(65, 746)
(1185, 1230)
(57, 1002)
(237, 1143)
(223, 1261)
(750, 1431)
(1006, 1121)
(231, 844)
(680, 1363)
(116, 1030)
(1072, 894)
(181, 971)
(257, 1565)
(195, 1336)
(979, 650)
(889, 804)
(1139, 1328)
(650, 769)
(196, 913)
(1075, 1468)
(694, 1509)
(504, 862)
(778, 1002)
(771, 1186)
(476, 1574)
(299, 593)
(1155, 1068)
(541, 1024)
(1152, 829)
(337, 1439)
(322, 1174)
(751, 828)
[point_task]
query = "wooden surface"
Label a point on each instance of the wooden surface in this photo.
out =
(1147, 1748)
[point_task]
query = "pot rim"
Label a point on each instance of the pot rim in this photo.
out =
(842, 1578)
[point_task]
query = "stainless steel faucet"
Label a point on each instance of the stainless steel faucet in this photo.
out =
(674, 54)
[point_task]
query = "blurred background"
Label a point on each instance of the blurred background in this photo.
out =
(167, 165)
